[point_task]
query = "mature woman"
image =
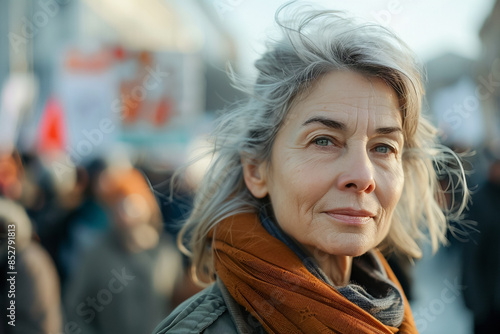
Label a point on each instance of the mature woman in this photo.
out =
(327, 164)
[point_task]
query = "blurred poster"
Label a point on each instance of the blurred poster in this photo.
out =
(112, 94)
(86, 86)
(158, 92)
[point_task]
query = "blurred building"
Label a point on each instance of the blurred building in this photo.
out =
(451, 95)
(4, 40)
(145, 73)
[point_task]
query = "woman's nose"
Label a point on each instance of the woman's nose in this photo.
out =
(357, 172)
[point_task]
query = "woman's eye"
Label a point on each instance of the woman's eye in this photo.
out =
(322, 141)
(384, 149)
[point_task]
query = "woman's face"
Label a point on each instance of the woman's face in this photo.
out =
(336, 171)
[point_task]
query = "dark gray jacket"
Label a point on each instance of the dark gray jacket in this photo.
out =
(211, 311)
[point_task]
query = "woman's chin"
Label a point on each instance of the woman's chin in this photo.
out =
(350, 251)
(347, 248)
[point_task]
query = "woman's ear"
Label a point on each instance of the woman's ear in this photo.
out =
(255, 177)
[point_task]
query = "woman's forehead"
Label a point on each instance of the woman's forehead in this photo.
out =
(345, 95)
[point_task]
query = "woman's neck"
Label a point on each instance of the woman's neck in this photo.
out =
(336, 267)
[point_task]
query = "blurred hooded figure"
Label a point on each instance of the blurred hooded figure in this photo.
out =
(125, 283)
(36, 284)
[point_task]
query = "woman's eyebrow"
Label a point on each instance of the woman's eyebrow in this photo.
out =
(326, 122)
(388, 130)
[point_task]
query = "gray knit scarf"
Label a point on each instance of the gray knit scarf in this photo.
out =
(370, 288)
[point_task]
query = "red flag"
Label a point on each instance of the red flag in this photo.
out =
(52, 135)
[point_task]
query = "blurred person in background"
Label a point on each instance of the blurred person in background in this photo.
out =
(176, 203)
(481, 253)
(87, 223)
(56, 200)
(125, 283)
(11, 174)
(327, 164)
(37, 289)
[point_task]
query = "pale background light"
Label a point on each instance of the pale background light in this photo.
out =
(429, 27)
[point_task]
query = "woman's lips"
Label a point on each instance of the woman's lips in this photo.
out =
(351, 216)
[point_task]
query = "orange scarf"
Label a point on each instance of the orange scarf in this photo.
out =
(269, 280)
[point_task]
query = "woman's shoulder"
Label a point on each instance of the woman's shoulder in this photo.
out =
(205, 312)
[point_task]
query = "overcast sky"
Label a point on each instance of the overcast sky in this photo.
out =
(430, 27)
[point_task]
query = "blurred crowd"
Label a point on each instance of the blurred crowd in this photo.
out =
(94, 248)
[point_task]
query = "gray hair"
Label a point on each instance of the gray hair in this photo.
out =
(316, 42)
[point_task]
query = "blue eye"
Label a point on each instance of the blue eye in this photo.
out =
(322, 141)
(384, 149)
